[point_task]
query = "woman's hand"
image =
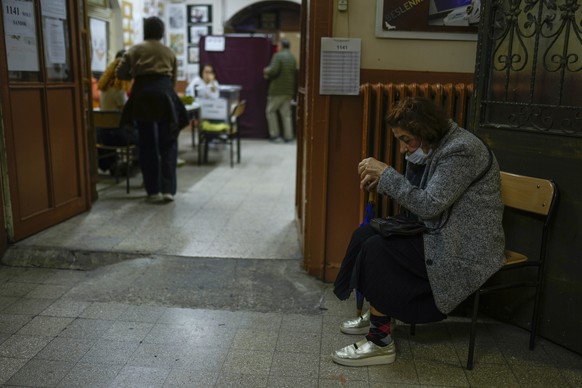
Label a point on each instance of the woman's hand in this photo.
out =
(370, 171)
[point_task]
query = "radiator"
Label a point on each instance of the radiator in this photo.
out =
(379, 100)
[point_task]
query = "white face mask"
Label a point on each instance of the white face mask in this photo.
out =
(418, 156)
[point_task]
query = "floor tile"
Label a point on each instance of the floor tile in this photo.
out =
(30, 306)
(86, 328)
(9, 366)
(110, 352)
(41, 373)
(45, 326)
(65, 349)
(131, 376)
(440, 373)
(127, 331)
(295, 364)
(104, 311)
(248, 362)
(191, 378)
(241, 380)
(90, 375)
(24, 347)
(66, 308)
(11, 323)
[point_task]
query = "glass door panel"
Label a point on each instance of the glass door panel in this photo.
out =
(22, 46)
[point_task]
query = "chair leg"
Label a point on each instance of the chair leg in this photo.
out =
(200, 140)
(473, 332)
(413, 329)
(231, 153)
(237, 148)
(205, 153)
(535, 318)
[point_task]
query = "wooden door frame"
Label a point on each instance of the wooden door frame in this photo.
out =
(317, 22)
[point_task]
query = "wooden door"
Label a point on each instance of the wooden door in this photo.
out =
(43, 115)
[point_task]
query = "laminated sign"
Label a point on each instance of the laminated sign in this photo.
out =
(340, 66)
(213, 109)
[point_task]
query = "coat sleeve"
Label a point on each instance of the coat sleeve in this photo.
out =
(123, 70)
(449, 176)
(274, 67)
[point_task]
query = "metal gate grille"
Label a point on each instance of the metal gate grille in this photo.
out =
(529, 66)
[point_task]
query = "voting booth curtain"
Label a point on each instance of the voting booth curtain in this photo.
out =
(241, 63)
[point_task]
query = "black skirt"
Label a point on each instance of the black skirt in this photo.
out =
(391, 274)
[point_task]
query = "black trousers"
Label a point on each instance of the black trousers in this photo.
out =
(158, 149)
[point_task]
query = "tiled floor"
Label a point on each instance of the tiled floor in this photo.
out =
(208, 291)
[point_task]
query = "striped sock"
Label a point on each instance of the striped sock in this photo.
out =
(379, 330)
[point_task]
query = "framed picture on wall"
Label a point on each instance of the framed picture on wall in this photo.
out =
(199, 14)
(193, 54)
(432, 19)
(195, 32)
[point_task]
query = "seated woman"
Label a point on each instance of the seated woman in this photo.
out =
(205, 85)
(113, 96)
(421, 278)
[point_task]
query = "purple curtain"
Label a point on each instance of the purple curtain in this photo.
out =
(242, 63)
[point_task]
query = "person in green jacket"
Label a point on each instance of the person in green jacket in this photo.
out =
(281, 74)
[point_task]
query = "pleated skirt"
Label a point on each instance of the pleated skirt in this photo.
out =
(391, 274)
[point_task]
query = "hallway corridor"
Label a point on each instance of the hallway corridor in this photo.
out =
(208, 291)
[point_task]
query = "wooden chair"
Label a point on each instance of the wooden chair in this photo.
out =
(227, 132)
(533, 198)
(127, 153)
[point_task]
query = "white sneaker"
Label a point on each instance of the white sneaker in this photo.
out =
(167, 197)
(359, 325)
(365, 353)
(153, 198)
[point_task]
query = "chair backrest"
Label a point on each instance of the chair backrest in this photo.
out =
(239, 109)
(106, 118)
(529, 194)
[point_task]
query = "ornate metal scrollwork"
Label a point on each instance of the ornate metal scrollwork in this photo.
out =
(534, 65)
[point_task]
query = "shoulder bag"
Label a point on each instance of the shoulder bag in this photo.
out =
(391, 226)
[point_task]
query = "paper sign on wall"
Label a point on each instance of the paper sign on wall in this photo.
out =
(214, 43)
(20, 36)
(340, 66)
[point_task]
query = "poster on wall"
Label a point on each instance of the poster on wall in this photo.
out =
(153, 8)
(428, 19)
(176, 16)
(98, 44)
(177, 43)
(20, 36)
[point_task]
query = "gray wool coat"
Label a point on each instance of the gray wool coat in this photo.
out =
(469, 247)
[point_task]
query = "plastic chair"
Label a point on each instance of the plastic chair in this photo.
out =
(127, 153)
(226, 132)
(533, 198)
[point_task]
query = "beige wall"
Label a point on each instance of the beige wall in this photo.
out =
(400, 54)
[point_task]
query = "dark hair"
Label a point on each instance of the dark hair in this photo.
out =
(201, 70)
(153, 28)
(120, 53)
(285, 43)
(421, 117)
